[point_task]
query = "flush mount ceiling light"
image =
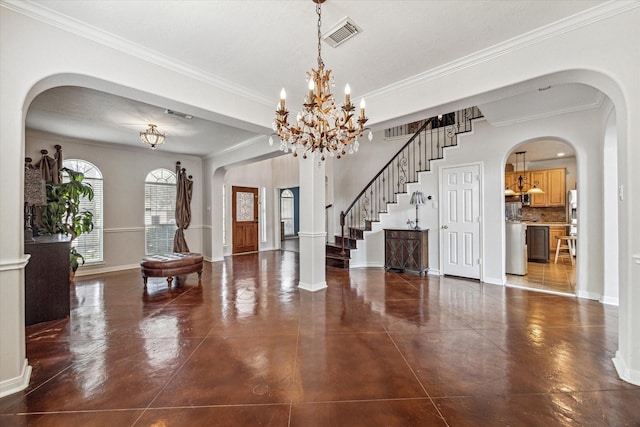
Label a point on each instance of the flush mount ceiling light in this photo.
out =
(320, 127)
(152, 136)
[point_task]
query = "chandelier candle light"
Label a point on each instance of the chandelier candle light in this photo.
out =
(320, 127)
(152, 137)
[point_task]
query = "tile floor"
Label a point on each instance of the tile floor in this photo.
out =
(548, 277)
(373, 349)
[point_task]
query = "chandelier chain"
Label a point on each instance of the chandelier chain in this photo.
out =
(319, 12)
(320, 127)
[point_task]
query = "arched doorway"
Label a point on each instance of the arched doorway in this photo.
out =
(541, 216)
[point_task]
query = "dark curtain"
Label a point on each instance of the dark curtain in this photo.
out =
(184, 191)
(50, 166)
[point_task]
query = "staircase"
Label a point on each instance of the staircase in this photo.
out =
(428, 142)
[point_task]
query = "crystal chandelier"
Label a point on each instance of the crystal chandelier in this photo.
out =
(320, 127)
(152, 137)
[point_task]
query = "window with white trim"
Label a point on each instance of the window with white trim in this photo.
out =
(159, 211)
(287, 212)
(89, 245)
(263, 213)
(224, 214)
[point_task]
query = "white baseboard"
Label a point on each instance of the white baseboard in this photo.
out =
(629, 375)
(18, 383)
(493, 281)
(588, 295)
(365, 264)
(434, 272)
(312, 287)
(609, 301)
(101, 270)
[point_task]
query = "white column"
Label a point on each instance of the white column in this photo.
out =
(627, 358)
(312, 233)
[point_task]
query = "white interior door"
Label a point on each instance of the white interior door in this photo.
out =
(460, 227)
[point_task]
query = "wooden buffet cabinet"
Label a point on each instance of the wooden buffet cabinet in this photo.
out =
(46, 293)
(406, 250)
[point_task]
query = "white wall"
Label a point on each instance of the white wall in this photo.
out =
(491, 146)
(601, 52)
(353, 172)
(124, 170)
(611, 258)
(272, 174)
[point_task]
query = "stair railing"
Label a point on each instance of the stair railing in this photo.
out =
(433, 135)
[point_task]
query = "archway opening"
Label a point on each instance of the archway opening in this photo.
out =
(541, 216)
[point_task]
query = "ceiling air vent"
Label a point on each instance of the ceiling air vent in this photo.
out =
(341, 32)
(178, 114)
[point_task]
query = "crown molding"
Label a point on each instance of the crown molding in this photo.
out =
(565, 25)
(40, 12)
(554, 112)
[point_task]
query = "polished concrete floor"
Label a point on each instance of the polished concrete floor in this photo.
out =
(373, 349)
(290, 244)
(547, 277)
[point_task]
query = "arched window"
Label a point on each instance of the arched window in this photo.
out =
(287, 213)
(89, 245)
(159, 211)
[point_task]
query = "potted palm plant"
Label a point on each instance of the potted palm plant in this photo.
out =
(63, 214)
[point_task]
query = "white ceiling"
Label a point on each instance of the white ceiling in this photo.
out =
(258, 47)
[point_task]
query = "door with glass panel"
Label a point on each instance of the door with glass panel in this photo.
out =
(244, 215)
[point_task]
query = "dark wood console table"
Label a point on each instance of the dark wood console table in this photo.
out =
(46, 280)
(406, 250)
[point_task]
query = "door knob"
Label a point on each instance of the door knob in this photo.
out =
(444, 227)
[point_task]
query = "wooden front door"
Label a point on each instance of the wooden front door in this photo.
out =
(245, 219)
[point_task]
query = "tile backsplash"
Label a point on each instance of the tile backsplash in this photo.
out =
(555, 214)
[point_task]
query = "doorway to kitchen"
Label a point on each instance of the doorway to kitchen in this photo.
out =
(540, 214)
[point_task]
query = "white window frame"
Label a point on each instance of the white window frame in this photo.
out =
(89, 245)
(263, 213)
(159, 220)
(287, 196)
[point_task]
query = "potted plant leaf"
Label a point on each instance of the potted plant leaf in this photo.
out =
(63, 213)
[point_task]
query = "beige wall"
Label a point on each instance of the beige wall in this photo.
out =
(124, 170)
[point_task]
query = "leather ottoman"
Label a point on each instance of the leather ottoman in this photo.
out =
(171, 265)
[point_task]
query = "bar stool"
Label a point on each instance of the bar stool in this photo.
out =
(569, 246)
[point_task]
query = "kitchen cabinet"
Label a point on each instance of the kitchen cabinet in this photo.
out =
(551, 181)
(556, 187)
(554, 232)
(406, 250)
(538, 243)
(539, 179)
(511, 180)
(46, 281)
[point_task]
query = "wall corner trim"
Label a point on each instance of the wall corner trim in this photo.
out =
(14, 385)
(629, 375)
